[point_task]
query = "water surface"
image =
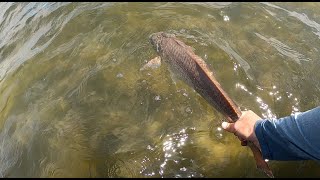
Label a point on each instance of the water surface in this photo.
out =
(74, 102)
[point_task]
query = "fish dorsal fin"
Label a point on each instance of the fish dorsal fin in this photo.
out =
(205, 69)
(180, 43)
(153, 63)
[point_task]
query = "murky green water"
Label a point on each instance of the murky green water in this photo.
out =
(73, 102)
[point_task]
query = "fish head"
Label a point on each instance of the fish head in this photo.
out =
(156, 39)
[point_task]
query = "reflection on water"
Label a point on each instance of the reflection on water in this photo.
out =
(74, 102)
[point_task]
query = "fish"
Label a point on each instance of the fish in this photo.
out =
(194, 71)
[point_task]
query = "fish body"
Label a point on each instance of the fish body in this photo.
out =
(194, 71)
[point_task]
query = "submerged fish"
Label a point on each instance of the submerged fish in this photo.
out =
(194, 71)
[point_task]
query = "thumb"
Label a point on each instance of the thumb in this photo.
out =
(228, 127)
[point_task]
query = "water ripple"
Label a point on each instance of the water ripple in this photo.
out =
(284, 49)
(302, 17)
(72, 103)
(224, 45)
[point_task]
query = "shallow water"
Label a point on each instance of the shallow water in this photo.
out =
(74, 102)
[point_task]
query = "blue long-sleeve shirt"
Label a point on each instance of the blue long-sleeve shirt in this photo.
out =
(295, 137)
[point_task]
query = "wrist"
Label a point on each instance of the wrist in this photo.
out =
(260, 138)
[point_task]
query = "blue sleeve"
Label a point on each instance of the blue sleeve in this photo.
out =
(295, 137)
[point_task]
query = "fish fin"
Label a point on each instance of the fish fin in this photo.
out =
(173, 77)
(180, 43)
(153, 63)
(260, 162)
(191, 48)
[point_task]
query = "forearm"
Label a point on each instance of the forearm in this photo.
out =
(295, 137)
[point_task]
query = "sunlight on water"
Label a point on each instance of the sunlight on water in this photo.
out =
(171, 147)
(79, 99)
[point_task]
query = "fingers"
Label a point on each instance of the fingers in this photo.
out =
(243, 128)
(228, 127)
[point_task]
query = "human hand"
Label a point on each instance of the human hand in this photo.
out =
(243, 128)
